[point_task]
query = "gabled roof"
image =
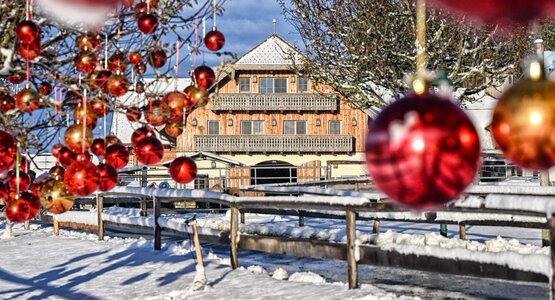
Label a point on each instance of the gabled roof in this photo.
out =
(272, 51)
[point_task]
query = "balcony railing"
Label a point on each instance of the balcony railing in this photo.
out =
(275, 102)
(275, 143)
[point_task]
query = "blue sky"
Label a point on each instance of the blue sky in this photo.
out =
(246, 23)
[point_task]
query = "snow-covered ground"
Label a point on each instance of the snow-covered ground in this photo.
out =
(76, 265)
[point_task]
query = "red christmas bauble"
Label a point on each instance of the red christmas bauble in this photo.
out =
(97, 147)
(57, 172)
(30, 50)
(135, 57)
(183, 170)
(175, 101)
(27, 31)
(55, 197)
(87, 115)
(422, 151)
(149, 151)
(16, 78)
(204, 76)
(27, 100)
(157, 58)
(23, 163)
(66, 157)
(117, 62)
(78, 139)
(140, 9)
(108, 177)
(156, 112)
(118, 85)
(148, 23)
(8, 151)
(39, 182)
(117, 156)
(83, 156)
(140, 68)
(214, 40)
(198, 96)
(87, 42)
(56, 150)
(82, 178)
(7, 102)
(100, 106)
(45, 88)
(102, 80)
(73, 98)
(500, 12)
(85, 62)
(22, 207)
(133, 113)
(141, 133)
(24, 181)
(523, 124)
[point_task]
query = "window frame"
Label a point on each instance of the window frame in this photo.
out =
(297, 123)
(242, 84)
(305, 84)
(330, 122)
(271, 88)
(208, 127)
(252, 127)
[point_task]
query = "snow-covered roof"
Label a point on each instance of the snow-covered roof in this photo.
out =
(272, 51)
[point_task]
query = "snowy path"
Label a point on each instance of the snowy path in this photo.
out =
(37, 265)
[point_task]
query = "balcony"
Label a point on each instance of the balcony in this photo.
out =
(275, 102)
(275, 143)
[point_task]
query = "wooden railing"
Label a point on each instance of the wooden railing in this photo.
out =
(275, 143)
(275, 102)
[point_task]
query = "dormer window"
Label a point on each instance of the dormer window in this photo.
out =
(244, 85)
(269, 85)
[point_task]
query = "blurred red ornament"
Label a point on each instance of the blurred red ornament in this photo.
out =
(156, 112)
(117, 62)
(22, 207)
(175, 100)
(82, 178)
(30, 50)
(135, 57)
(56, 150)
(73, 98)
(97, 147)
(183, 170)
(524, 121)
(133, 113)
(45, 88)
(39, 182)
(27, 31)
(83, 156)
(85, 114)
(23, 163)
(148, 23)
(140, 134)
(214, 40)
(85, 62)
(16, 78)
(500, 12)
(198, 96)
(157, 58)
(422, 151)
(57, 172)
(153, 4)
(112, 140)
(204, 76)
(78, 139)
(149, 151)
(8, 151)
(140, 9)
(127, 3)
(55, 197)
(117, 156)
(108, 177)
(7, 102)
(174, 129)
(100, 106)
(102, 80)
(27, 100)
(140, 68)
(66, 157)
(24, 181)
(118, 85)
(87, 42)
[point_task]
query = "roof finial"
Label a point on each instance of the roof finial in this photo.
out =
(274, 21)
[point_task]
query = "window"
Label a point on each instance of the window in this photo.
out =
(244, 84)
(294, 127)
(252, 127)
(334, 127)
(201, 182)
(213, 127)
(273, 85)
(302, 85)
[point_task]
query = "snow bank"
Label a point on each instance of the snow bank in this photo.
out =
(307, 277)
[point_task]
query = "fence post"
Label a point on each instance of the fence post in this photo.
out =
(552, 237)
(56, 225)
(242, 218)
(443, 230)
(27, 225)
(157, 228)
(462, 231)
(352, 267)
(144, 183)
(234, 228)
(301, 219)
(376, 226)
(100, 221)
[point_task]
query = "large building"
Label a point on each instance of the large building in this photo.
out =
(269, 124)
